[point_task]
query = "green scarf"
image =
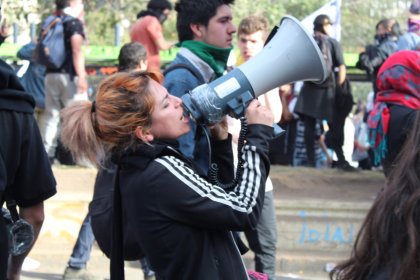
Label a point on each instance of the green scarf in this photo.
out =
(215, 57)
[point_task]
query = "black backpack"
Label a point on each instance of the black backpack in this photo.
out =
(324, 45)
(101, 209)
(344, 100)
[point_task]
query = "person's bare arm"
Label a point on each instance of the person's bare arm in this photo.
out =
(324, 148)
(341, 74)
(162, 44)
(4, 30)
(79, 62)
(35, 216)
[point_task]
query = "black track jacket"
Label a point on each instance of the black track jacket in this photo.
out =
(183, 222)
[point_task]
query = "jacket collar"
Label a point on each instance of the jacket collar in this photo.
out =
(145, 153)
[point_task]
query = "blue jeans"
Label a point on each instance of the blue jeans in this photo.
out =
(83, 246)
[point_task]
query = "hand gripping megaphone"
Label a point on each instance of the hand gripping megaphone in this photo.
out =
(289, 55)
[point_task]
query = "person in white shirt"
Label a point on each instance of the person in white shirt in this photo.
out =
(252, 33)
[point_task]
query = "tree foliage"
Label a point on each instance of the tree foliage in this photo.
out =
(359, 17)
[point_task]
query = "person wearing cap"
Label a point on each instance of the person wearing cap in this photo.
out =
(386, 38)
(316, 101)
(147, 30)
(411, 39)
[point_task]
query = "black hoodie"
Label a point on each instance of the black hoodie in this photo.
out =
(182, 221)
(12, 95)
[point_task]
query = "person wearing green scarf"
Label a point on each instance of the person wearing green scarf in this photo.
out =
(215, 57)
(205, 32)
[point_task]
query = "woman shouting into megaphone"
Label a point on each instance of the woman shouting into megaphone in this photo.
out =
(181, 220)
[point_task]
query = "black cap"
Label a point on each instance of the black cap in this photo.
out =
(321, 20)
(159, 5)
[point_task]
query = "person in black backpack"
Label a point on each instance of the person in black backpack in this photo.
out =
(132, 57)
(67, 82)
(317, 101)
(182, 219)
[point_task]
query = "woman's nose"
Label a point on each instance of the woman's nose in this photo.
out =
(178, 101)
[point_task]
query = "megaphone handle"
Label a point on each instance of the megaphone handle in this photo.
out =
(278, 130)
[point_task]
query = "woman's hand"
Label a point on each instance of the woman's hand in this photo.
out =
(219, 131)
(258, 114)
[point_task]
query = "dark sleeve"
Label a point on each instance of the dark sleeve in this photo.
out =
(2, 39)
(401, 121)
(374, 56)
(337, 53)
(74, 26)
(3, 177)
(192, 200)
(222, 155)
(30, 178)
(26, 51)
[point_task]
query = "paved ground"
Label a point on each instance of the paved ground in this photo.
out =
(66, 210)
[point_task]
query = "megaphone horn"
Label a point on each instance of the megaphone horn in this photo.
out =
(290, 55)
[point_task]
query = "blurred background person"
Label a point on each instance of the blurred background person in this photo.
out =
(397, 100)
(411, 39)
(316, 102)
(67, 83)
(205, 32)
(33, 80)
(147, 30)
(388, 243)
(387, 33)
(252, 34)
(4, 31)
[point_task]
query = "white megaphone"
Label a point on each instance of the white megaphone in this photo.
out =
(290, 54)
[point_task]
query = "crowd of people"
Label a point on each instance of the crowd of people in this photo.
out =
(157, 165)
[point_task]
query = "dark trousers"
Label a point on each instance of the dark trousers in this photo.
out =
(335, 136)
(4, 249)
(309, 137)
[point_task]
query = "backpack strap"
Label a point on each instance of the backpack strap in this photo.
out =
(49, 26)
(117, 259)
(11, 206)
(188, 67)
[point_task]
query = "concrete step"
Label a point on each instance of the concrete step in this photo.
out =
(318, 216)
(303, 264)
(318, 224)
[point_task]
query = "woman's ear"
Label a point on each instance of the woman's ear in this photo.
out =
(196, 29)
(143, 134)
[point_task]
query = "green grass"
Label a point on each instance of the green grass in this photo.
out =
(109, 54)
(94, 54)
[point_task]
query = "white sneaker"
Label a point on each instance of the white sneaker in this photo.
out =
(30, 264)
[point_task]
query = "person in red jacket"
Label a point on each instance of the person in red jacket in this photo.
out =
(147, 30)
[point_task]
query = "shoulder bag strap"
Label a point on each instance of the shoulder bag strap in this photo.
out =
(117, 259)
(191, 69)
(11, 206)
(49, 26)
